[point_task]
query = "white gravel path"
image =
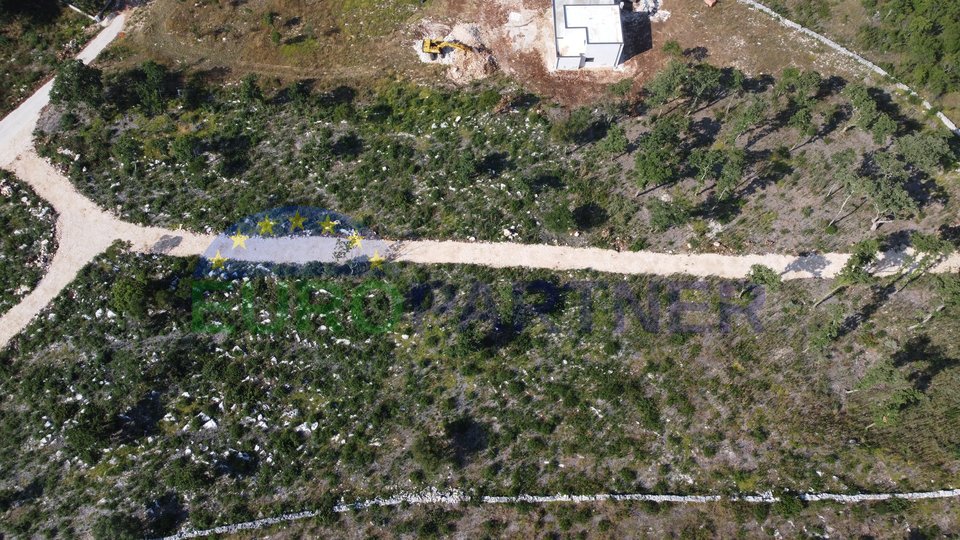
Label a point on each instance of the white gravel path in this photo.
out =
(83, 229)
(453, 498)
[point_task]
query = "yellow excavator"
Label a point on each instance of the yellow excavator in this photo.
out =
(436, 46)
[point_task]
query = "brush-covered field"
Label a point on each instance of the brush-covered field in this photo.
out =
(704, 159)
(128, 407)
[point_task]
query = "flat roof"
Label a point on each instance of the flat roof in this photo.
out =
(582, 22)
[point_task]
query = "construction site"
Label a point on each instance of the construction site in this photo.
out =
(515, 39)
(600, 39)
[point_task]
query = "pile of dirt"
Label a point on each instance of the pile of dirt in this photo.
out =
(464, 66)
(474, 65)
(651, 9)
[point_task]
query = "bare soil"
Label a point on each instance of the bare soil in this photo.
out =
(732, 34)
(359, 42)
(519, 34)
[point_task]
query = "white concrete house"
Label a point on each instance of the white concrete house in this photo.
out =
(588, 33)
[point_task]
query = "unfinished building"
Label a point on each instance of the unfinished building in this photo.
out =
(589, 33)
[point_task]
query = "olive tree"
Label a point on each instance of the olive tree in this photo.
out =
(927, 151)
(660, 153)
(763, 276)
(929, 250)
(77, 82)
(857, 269)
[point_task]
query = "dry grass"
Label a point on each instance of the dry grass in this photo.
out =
(288, 39)
(735, 35)
(357, 42)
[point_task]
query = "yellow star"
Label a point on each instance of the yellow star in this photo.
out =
(266, 226)
(239, 240)
(296, 221)
(218, 260)
(328, 225)
(376, 261)
(355, 239)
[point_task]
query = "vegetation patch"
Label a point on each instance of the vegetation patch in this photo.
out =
(28, 241)
(706, 160)
(34, 37)
(497, 391)
(917, 42)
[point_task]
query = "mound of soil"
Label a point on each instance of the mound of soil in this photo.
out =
(464, 67)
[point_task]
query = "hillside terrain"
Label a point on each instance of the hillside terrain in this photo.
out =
(771, 349)
(146, 420)
(919, 42)
(707, 160)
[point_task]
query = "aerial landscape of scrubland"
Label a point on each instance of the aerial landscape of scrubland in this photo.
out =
(512, 268)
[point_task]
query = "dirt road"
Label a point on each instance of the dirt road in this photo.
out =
(84, 231)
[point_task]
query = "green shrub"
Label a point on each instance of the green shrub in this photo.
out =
(129, 295)
(77, 83)
(575, 127)
(118, 527)
(615, 142)
(29, 243)
(666, 215)
(789, 506)
(621, 88)
(430, 452)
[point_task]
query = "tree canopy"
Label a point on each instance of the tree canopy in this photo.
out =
(926, 34)
(77, 82)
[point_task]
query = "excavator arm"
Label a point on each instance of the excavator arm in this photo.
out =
(436, 46)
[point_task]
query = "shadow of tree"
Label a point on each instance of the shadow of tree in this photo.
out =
(896, 241)
(703, 132)
(141, 420)
(697, 54)
(590, 215)
(165, 514)
(759, 84)
(545, 180)
(722, 210)
(778, 122)
(341, 95)
(493, 164)
(811, 263)
(347, 146)
(524, 101)
(841, 115)
(950, 234)
(920, 349)
(879, 296)
(39, 11)
(905, 124)
(295, 40)
(467, 438)
(772, 170)
(831, 85)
